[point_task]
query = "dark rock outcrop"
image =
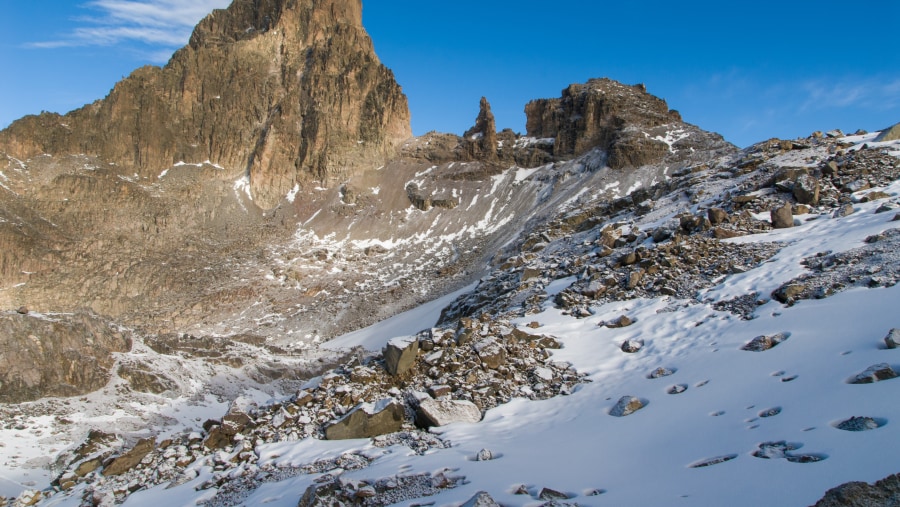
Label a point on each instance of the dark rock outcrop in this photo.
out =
(481, 140)
(606, 114)
(884, 493)
(60, 355)
(285, 92)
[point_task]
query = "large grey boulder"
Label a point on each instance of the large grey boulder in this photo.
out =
(400, 354)
(783, 217)
(884, 493)
(889, 134)
(368, 420)
(432, 412)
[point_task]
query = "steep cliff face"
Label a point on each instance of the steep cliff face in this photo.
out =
(602, 113)
(285, 91)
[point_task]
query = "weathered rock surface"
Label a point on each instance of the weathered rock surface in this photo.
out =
(884, 493)
(433, 412)
(875, 373)
(57, 355)
(284, 92)
(367, 420)
(626, 405)
(400, 355)
(765, 342)
(130, 459)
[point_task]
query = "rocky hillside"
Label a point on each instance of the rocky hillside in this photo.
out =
(283, 92)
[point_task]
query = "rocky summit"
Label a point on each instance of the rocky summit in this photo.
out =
(181, 263)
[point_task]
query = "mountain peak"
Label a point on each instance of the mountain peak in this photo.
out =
(282, 92)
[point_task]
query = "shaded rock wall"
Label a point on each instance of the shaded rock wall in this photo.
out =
(64, 355)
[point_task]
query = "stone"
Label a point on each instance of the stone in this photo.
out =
(844, 211)
(130, 459)
(485, 455)
(858, 424)
(491, 353)
(432, 412)
(892, 340)
(806, 190)
(552, 494)
(481, 499)
(400, 355)
(789, 293)
(765, 342)
(367, 420)
(23, 310)
(830, 168)
(619, 322)
(632, 346)
(661, 372)
(875, 373)
(626, 405)
(783, 217)
(717, 216)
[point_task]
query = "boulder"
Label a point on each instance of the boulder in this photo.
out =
(717, 216)
(789, 293)
(619, 322)
(892, 340)
(632, 346)
(858, 424)
(400, 355)
(481, 499)
(875, 373)
(626, 405)
(765, 342)
(491, 353)
(806, 190)
(783, 217)
(368, 420)
(433, 412)
(130, 459)
(888, 134)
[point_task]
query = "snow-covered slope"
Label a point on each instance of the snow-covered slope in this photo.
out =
(720, 424)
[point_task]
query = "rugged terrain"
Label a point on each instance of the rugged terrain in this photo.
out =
(176, 258)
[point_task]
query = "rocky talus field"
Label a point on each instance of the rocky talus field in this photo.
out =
(239, 279)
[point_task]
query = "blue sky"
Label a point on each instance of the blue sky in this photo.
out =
(748, 70)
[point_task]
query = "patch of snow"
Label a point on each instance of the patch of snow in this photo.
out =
(293, 193)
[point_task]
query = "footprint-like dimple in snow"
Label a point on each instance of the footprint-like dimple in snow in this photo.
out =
(783, 450)
(779, 373)
(677, 389)
(594, 492)
(806, 458)
(712, 461)
(717, 413)
(860, 423)
(752, 426)
(809, 429)
(775, 450)
(790, 378)
(770, 412)
(701, 384)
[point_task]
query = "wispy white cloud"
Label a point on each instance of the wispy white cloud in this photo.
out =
(163, 25)
(874, 92)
